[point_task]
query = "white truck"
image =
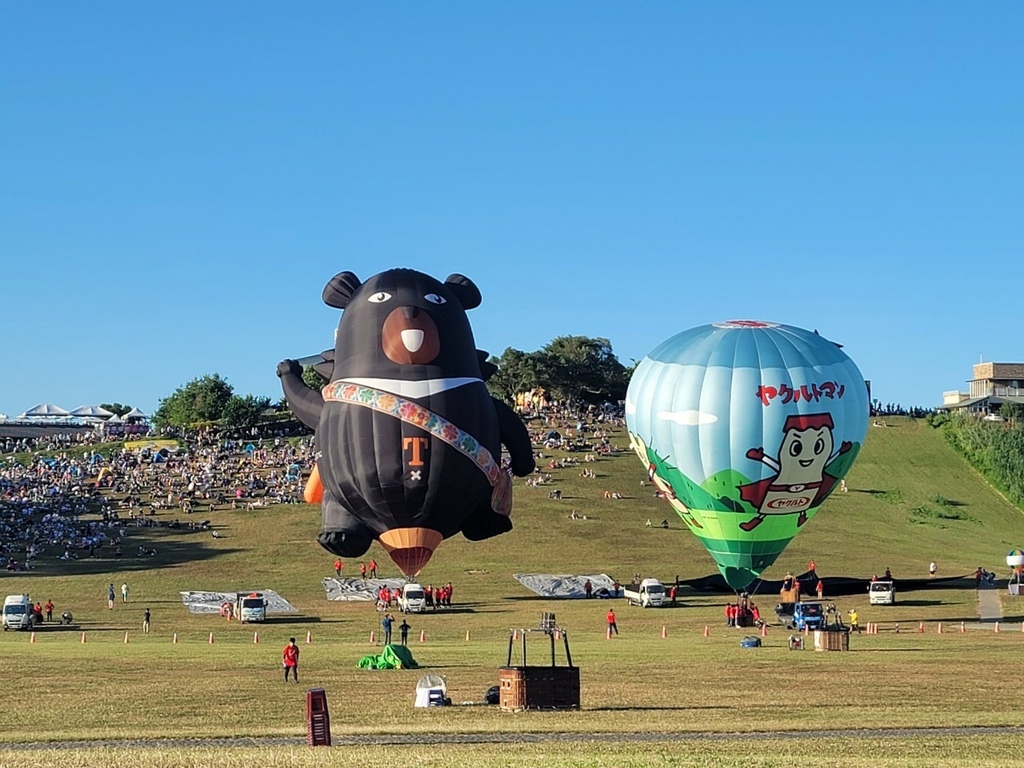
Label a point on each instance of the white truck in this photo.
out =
(17, 612)
(649, 593)
(881, 593)
(413, 599)
(250, 607)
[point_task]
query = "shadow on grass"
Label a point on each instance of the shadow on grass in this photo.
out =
(654, 709)
(174, 546)
(287, 618)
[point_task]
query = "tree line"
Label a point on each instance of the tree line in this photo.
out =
(569, 369)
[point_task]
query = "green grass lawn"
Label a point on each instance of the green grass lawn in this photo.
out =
(910, 501)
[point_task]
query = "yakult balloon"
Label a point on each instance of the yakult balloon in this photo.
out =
(746, 427)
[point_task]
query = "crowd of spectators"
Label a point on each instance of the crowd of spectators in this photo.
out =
(71, 496)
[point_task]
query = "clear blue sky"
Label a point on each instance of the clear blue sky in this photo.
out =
(178, 181)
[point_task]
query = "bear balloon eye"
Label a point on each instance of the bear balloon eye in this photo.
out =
(433, 298)
(380, 297)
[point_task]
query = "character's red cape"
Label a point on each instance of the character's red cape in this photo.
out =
(755, 493)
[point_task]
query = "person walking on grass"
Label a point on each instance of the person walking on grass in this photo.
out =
(124, 592)
(290, 655)
(612, 625)
(110, 597)
(145, 622)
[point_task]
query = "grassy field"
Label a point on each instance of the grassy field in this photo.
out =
(911, 500)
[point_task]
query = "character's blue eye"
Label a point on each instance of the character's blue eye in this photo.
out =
(380, 297)
(433, 298)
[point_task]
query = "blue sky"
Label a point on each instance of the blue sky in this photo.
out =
(178, 181)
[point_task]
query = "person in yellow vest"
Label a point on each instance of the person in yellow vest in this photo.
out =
(854, 625)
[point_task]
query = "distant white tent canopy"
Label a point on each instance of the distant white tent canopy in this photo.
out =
(91, 412)
(115, 419)
(135, 413)
(45, 411)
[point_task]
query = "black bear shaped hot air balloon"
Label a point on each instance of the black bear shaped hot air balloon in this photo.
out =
(409, 437)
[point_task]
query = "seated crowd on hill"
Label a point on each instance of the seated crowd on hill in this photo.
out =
(78, 503)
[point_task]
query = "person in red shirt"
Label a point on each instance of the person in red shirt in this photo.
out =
(338, 565)
(612, 625)
(291, 660)
(373, 569)
(362, 571)
(49, 609)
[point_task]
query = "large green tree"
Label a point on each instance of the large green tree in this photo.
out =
(517, 372)
(244, 411)
(200, 400)
(579, 368)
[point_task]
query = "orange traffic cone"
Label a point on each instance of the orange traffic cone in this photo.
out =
(373, 637)
(807, 631)
(33, 638)
(963, 628)
(126, 638)
(467, 635)
(309, 636)
(997, 627)
(764, 630)
(558, 634)
(608, 632)
(939, 630)
(175, 640)
(83, 637)
(255, 638)
(706, 632)
(920, 627)
(515, 634)
(664, 632)
(423, 636)
(211, 638)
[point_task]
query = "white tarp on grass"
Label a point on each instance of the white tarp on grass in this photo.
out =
(210, 602)
(548, 585)
(358, 590)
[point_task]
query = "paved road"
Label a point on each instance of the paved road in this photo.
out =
(402, 739)
(990, 607)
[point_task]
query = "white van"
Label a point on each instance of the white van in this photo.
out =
(413, 599)
(17, 612)
(881, 593)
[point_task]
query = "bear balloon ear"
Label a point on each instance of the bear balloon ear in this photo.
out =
(339, 289)
(465, 290)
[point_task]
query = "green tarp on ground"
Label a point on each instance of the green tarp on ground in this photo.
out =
(391, 657)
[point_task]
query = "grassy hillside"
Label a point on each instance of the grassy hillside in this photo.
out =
(911, 500)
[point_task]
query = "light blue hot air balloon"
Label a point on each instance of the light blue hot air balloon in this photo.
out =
(747, 427)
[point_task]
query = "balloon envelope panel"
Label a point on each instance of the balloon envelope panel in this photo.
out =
(746, 427)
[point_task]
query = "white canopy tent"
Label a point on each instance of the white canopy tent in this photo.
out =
(45, 411)
(135, 415)
(91, 412)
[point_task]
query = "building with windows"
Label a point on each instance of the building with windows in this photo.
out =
(993, 384)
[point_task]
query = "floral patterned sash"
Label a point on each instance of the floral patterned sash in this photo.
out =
(436, 425)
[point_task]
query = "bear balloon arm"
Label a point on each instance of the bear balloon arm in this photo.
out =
(485, 523)
(341, 533)
(516, 438)
(305, 403)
